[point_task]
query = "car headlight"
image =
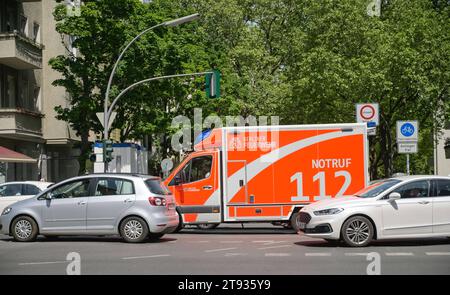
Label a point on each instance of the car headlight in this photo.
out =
(6, 211)
(328, 211)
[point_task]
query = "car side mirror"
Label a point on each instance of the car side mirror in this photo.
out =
(178, 180)
(46, 196)
(394, 196)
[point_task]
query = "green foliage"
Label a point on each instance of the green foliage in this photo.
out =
(305, 61)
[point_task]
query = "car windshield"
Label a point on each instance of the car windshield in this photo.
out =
(377, 188)
(157, 187)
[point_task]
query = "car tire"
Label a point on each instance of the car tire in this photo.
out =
(208, 225)
(357, 231)
(155, 236)
(24, 229)
(133, 230)
(294, 222)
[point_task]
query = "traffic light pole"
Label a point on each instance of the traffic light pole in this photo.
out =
(109, 110)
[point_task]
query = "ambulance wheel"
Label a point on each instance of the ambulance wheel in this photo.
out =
(207, 225)
(295, 222)
(180, 223)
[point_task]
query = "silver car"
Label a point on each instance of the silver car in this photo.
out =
(133, 206)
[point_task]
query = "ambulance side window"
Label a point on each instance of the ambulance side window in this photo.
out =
(183, 174)
(196, 169)
(200, 168)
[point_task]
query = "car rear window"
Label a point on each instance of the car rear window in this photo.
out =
(157, 187)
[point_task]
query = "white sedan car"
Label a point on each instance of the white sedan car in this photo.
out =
(400, 207)
(11, 192)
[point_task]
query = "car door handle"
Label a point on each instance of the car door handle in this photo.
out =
(82, 203)
(207, 187)
(424, 202)
(128, 201)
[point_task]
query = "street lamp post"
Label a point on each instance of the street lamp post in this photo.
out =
(106, 113)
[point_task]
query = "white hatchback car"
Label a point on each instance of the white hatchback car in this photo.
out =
(400, 207)
(11, 192)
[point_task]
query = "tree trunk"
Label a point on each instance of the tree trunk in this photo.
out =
(85, 147)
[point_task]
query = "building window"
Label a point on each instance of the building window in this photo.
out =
(8, 87)
(11, 87)
(23, 29)
(8, 17)
(37, 98)
(24, 101)
(36, 33)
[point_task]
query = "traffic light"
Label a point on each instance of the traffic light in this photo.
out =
(212, 83)
(107, 151)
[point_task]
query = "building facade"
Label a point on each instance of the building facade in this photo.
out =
(443, 160)
(27, 98)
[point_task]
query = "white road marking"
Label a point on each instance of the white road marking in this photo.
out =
(277, 254)
(400, 254)
(198, 241)
(235, 254)
(231, 242)
(143, 257)
(273, 247)
(356, 254)
(217, 250)
(318, 254)
(274, 242)
(42, 263)
(437, 253)
(262, 241)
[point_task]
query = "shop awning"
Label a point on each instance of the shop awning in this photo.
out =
(7, 155)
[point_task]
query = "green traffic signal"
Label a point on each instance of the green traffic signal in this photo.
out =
(212, 84)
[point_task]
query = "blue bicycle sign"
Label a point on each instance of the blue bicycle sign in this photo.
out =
(407, 129)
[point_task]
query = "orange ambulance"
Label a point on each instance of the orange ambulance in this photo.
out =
(267, 173)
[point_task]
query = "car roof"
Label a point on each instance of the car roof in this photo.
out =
(130, 175)
(419, 177)
(37, 183)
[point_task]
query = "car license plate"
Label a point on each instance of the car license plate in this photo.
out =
(302, 225)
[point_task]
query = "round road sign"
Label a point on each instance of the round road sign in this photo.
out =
(367, 112)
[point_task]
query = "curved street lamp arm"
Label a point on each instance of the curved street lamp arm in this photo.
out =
(108, 87)
(111, 107)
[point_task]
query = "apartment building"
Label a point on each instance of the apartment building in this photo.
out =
(27, 99)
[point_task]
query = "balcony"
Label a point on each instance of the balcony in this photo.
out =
(20, 52)
(19, 123)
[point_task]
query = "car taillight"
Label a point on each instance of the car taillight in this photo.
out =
(157, 201)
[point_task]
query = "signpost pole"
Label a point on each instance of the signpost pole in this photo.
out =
(407, 164)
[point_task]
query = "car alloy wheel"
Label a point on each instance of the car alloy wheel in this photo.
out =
(358, 232)
(23, 229)
(133, 229)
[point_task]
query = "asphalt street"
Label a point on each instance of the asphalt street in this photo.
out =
(258, 249)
